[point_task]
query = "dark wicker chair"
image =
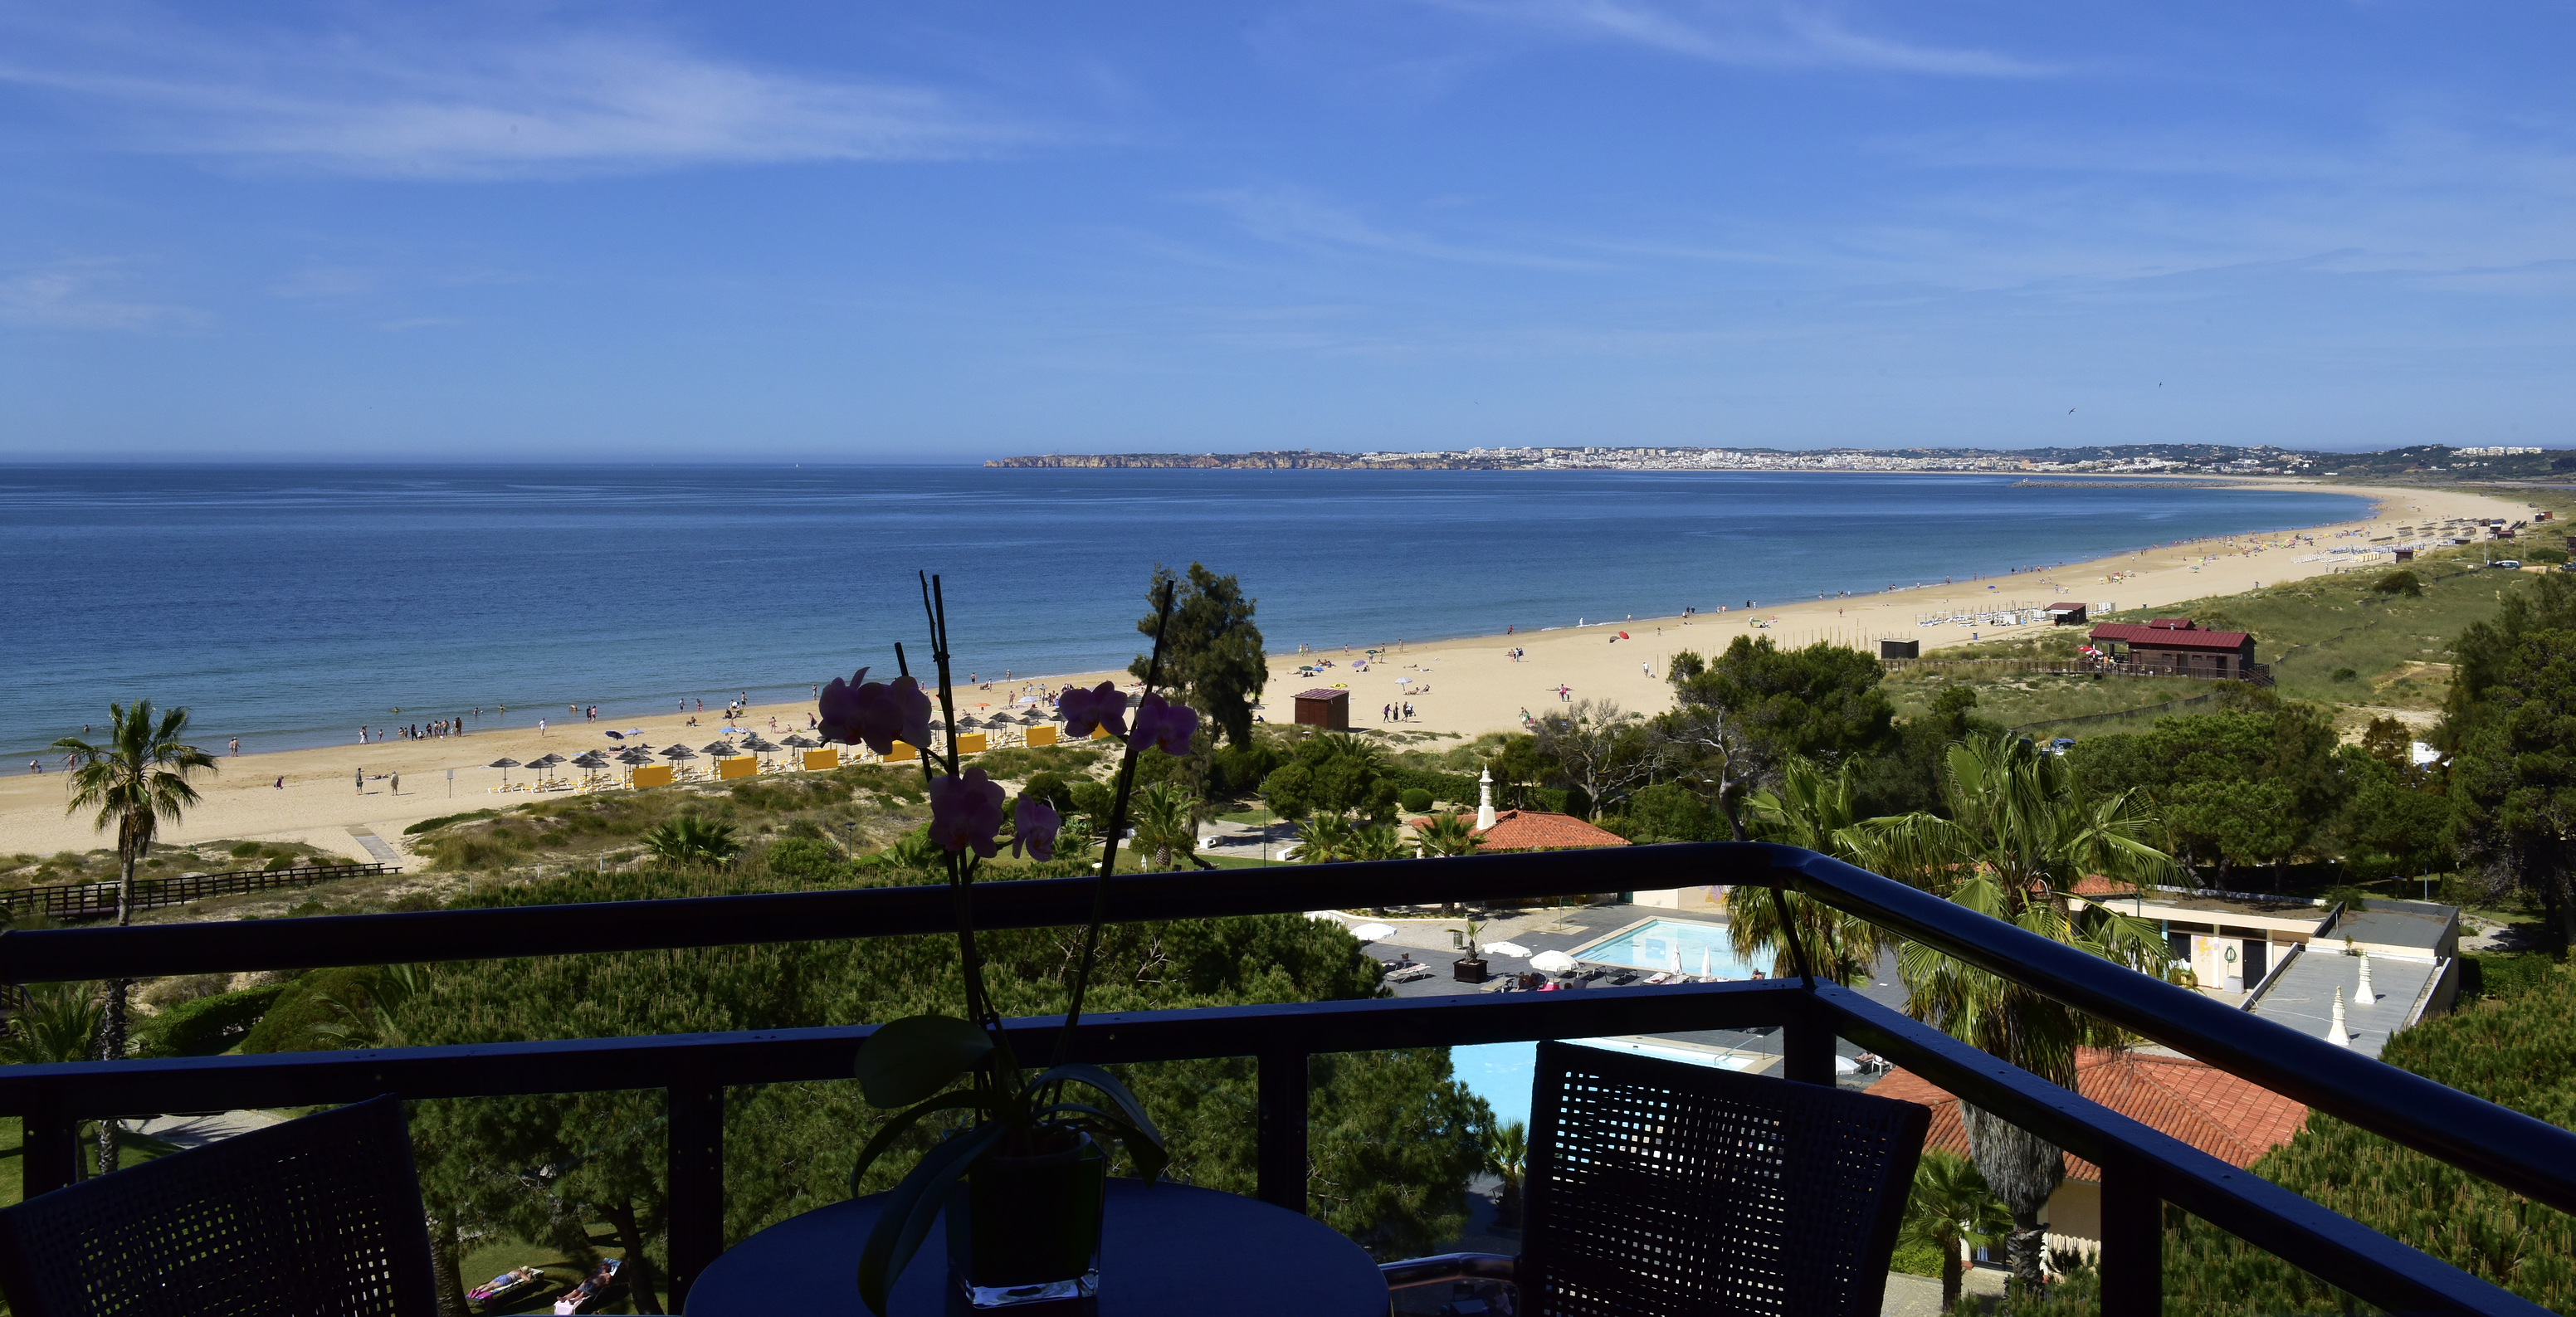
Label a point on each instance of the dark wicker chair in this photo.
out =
(318, 1217)
(1656, 1187)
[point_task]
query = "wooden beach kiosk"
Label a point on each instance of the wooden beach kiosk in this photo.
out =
(1899, 649)
(2066, 613)
(1328, 709)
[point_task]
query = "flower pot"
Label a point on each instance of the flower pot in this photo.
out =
(1468, 971)
(1024, 1231)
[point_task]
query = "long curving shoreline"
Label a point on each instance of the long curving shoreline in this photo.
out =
(1472, 687)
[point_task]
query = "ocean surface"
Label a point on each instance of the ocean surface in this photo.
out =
(288, 605)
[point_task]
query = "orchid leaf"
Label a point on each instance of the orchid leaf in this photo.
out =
(914, 1057)
(1094, 1077)
(911, 1208)
(894, 1126)
(1144, 1147)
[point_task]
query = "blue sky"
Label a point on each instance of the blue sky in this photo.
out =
(891, 232)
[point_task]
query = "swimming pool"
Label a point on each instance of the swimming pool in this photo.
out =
(1670, 944)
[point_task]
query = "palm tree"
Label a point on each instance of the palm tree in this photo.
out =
(689, 839)
(1166, 822)
(1323, 839)
(1813, 809)
(1507, 1159)
(2022, 832)
(371, 1018)
(58, 1022)
(1379, 841)
(1951, 1207)
(1447, 834)
(136, 781)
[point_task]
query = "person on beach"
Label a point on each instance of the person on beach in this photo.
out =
(362, 733)
(236, 745)
(281, 782)
(362, 781)
(541, 727)
(36, 766)
(396, 788)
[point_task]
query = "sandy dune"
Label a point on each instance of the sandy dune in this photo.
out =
(1465, 686)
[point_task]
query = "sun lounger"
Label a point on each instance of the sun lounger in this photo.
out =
(590, 1290)
(1659, 976)
(506, 1284)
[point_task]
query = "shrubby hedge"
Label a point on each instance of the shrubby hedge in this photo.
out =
(206, 1026)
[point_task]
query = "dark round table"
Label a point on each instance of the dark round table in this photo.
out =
(1164, 1248)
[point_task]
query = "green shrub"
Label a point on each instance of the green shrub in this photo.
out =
(431, 825)
(1415, 800)
(802, 857)
(206, 1026)
(2502, 975)
(2345, 674)
(2399, 582)
(279, 862)
(2544, 555)
(245, 850)
(308, 1001)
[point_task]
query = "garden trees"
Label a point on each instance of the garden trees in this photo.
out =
(2022, 830)
(2254, 785)
(2513, 778)
(1211, 652)
(1167, 824)
(136, 780)
(1447, 834)
(1740, 714)
(1335, 773)
(1601, 752)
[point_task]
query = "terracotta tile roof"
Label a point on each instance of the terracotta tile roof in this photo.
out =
(2094, 884)
(2198, 1103)
(1531, 830)
(1321, 693)
(2161, 638)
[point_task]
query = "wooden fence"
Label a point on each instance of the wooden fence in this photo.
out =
(92, 900)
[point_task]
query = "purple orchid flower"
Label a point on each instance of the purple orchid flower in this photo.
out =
(908, 711)
(1101, 706)
(966, 811)
(1034, 825)
(1166, 726)
(841, 705)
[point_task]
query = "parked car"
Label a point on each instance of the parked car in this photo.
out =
(2508, 564)
(2061, 745)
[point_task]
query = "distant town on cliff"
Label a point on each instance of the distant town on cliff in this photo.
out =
(2427, 461)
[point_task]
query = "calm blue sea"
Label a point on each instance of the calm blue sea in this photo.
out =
(287, 605)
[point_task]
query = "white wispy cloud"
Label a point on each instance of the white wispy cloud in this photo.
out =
(1295, 217)
(84, 293)
(1767, 33)
(381, 100)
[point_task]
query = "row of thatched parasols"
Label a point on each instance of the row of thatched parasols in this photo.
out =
(596, 760)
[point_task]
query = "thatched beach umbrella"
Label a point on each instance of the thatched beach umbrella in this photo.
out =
(719, 749)
(505, 765)
(803, 743)
(634, 757)
(678, 752)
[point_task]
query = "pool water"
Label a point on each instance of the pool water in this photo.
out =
(1664, 944)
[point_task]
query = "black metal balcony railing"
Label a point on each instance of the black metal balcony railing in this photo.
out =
(2141, 1167)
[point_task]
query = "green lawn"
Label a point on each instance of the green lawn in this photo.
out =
(495, 1254)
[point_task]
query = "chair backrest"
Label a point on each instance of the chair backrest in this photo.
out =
(319, 1217)
(1662, 1187)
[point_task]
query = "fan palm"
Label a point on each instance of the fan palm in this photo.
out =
(372, 1018)
(1447, 834)
(1814, 809)
(1507, 1160)
(58, 1022)
(2022, 831)
(1323, 839)
(136, 781)
(1166, 822)
(689, 839)
(1379, 841)
(1951, 1208)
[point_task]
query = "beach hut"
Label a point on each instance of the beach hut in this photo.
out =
(2066, 612)
(1324, 708)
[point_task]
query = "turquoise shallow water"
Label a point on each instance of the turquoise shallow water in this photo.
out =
(287, 605)
(1664, 944)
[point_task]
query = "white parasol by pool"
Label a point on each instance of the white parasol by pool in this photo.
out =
(1551, 962)
(1507, 948)
(1373, 932)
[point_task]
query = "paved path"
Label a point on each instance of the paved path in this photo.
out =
(377, 847)
(198, 1131)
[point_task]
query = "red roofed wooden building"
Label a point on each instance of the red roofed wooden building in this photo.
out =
(2174, 644)
(2229, 1118)
(1533, 830)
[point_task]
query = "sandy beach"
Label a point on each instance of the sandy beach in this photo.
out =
(1463, 686)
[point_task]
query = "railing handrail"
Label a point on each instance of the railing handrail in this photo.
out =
(2513, 1150)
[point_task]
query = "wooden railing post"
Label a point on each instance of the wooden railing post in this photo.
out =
(2133, 1242)
(697, 1184)
(1281, 1148)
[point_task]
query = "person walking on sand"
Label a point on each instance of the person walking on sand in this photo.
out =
(541, 727)
(396, 788)
(281, 782)
(362, 781)
(236, 746)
